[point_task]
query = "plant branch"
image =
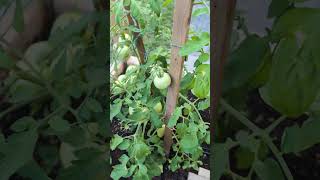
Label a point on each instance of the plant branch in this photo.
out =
(265, 136)
(192, 104)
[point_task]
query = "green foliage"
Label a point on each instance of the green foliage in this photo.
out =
(134, 94)
(53, 97)
(283, 67)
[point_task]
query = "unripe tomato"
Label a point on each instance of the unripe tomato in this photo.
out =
(160, 131)
(133, 60)
(123, 52)
(121, 79)
(186, 110)
(131, 69)
(158, 107)
(162, 82)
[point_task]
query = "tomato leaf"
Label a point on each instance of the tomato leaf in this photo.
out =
(17, 152)
(277, 7)
(174, 117)
(195, 44)
(116, 140)
(200, 11)
(296, 139)
(268, 170)
(244, 62)
(296, 69)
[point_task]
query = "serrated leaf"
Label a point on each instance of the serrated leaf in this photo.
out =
(124, 145)
(90, 165)
(244, 62)
(201, 87)
(174, 117)
(17, 152)
(201, 59)
(115, 109)
(33, 171)
(23, 90)
(59, 124)
(288, 25)
(156, 6)
(293, 68)
(155, 119)
(118, 12)
(116, 140)
(166, 3)
(139, 151)
(94, 105)
(135, 10)
(268, 170)
(296, 139)
(203, 105)
(189, 143)
(200, 11)
(24, 123)
(195, 44)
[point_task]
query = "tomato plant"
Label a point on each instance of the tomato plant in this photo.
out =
(52, 120)
(138, 101)
(270, 98)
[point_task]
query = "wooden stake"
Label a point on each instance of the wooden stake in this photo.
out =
(181, 22)
(137, 36)
(221, 25)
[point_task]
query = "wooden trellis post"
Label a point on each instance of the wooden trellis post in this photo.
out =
(139, 40)
(181, 22)
(221, 25)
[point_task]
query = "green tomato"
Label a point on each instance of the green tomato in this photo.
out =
(160, 131)
(186, 111)
(123, 52)
(162, 82)
(121, 79)
(158, 107)
(187, 108)
(131, 69)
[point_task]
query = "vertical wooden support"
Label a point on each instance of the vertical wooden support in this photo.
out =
(139, 40)
(181, 22)
(221, 25)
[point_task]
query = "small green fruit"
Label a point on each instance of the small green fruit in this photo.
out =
(160, 131)
(123, 53)
(131, 69)
(162, 82)
(158, 107)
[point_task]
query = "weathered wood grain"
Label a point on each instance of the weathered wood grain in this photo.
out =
(221, 25)
(181, 22)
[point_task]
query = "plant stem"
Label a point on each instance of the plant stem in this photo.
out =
(192, 104)
(275, 124)
(240, 117)
(279, 157)
(265, 136)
